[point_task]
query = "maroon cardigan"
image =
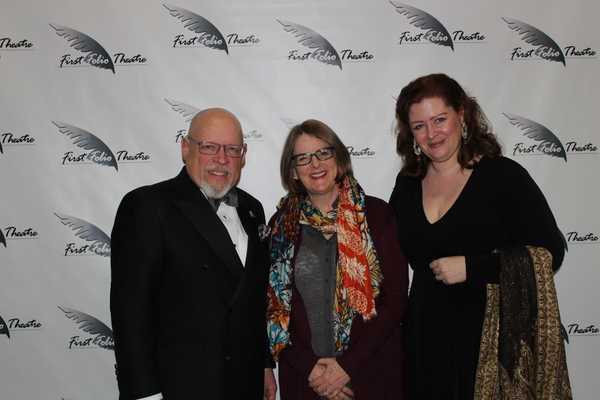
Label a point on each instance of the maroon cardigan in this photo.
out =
(374, 357)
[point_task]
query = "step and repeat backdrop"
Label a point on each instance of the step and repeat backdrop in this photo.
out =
(95, 97)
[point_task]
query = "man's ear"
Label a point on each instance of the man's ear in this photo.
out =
(185, 147)
(244, 156)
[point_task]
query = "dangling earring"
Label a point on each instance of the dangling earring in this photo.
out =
(416, 148)
(464, 132)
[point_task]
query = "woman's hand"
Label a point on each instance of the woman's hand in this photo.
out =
(270, 385)
(450, 270)
(316, 372)
(332, 380)
(345, 394)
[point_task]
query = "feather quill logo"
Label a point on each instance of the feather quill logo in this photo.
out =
(546, 47)
(436, 32)
(90, 233)
(322, 52)
(2, 238)
(209, 35)
(4, 328)
(289, 122)
(550, 144)
(103, 334)
(100, 153)
(95, 54)
(187, 111)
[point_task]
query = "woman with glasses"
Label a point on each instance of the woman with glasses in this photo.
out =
(338, 280)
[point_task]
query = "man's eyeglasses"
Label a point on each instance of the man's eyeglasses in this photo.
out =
(210, 148)
(305, 158)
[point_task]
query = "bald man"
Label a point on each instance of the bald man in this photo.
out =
(189, 276)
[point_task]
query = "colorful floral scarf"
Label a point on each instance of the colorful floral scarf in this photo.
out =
(358, 274)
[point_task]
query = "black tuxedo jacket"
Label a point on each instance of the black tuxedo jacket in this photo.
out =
(188, 316)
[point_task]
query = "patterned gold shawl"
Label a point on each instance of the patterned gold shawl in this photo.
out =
(522, 353)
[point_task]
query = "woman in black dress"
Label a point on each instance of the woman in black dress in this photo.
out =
(458, 201)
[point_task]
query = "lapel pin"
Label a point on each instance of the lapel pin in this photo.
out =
(263, 231)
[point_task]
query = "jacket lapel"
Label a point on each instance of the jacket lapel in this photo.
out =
(192, 203)
(250, 223)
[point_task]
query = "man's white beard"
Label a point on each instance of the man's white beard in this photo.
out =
(210, 191)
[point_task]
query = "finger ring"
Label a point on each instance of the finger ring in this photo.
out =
(326, 393)
(438, 277)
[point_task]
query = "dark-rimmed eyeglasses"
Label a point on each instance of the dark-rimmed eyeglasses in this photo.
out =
(210, 148)
(305, 158)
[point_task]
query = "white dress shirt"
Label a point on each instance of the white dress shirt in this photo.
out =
(239, 237)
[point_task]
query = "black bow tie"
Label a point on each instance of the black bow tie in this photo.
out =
(230, 198)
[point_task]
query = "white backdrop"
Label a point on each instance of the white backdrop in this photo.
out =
(126, 74)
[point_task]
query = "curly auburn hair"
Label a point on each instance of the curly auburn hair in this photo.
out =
(481, 141)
